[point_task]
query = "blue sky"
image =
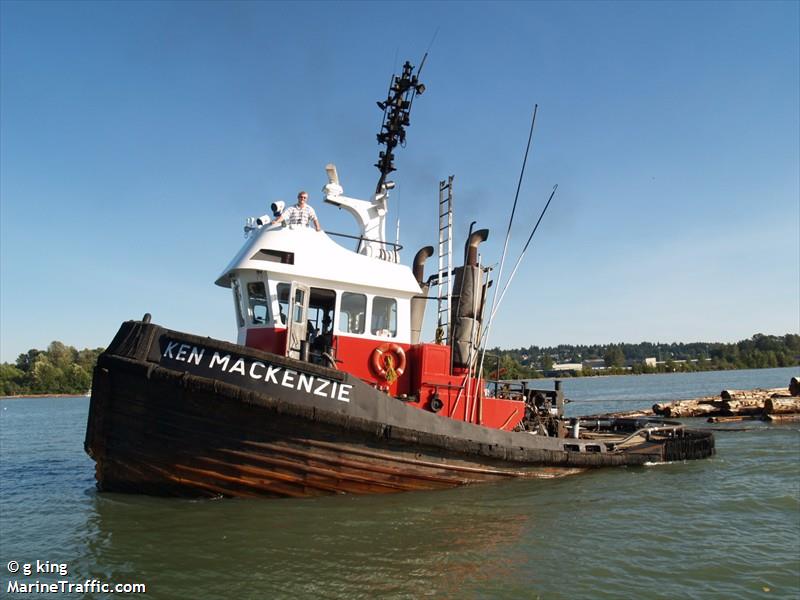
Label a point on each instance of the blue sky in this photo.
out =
(136, 137)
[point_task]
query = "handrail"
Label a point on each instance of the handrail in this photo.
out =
(647, 431)
(361, 238)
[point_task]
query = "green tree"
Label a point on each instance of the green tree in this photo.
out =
(60, 369)
(25, 361)
(11, 380)
(614, 357)
(46, 377)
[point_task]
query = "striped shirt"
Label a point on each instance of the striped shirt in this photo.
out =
(295, 215)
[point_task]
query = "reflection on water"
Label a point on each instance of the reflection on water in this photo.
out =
(727, 527)
(345, 546)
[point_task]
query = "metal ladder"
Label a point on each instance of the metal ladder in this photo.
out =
(444, 293)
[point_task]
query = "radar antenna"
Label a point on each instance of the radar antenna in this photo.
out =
(396, 109)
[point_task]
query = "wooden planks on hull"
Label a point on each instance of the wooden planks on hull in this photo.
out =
(313, 466)
(188, 446)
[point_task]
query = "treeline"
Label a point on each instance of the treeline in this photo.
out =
(759, 352)
(58, 370)
(65, 370)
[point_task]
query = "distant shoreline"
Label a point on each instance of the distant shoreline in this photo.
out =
(43, 396)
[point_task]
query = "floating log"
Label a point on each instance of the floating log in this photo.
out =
(782, 405)
(774, 418)
(749, 406)
(730, 419)
(630, 414)
(660, 407)
(687, 409)
(750, 394)
(732, 404)
(669, 408)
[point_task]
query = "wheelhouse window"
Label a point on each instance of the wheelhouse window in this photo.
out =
(321, 305)
(258, 302)
(384, 317)
(283, 301)
(352, 313)
(299, 305)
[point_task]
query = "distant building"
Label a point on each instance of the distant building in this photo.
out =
(650, 362)
(568, 367)
(595, 364)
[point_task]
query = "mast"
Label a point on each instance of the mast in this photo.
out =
(370, 215)
(396, 109)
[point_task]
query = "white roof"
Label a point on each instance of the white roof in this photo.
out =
(318, 257)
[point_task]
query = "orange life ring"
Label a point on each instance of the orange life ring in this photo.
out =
(388, 358)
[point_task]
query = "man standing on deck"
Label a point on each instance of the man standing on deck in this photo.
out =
(299, 214)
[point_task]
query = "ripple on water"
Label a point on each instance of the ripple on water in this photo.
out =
(720, 528)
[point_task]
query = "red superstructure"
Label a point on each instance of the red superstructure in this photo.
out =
(300, 294)
(356, 312)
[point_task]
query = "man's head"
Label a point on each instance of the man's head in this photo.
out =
(302, 198)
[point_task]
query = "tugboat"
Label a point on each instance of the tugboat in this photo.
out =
(329, 388)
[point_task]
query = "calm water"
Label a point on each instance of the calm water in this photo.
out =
(723, 528)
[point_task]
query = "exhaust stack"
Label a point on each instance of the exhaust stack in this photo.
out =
(418, 302)
(468, 314)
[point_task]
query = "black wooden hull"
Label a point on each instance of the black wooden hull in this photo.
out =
(174, 414)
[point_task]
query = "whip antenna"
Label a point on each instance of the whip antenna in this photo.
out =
(508, 235)
(522, 254)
